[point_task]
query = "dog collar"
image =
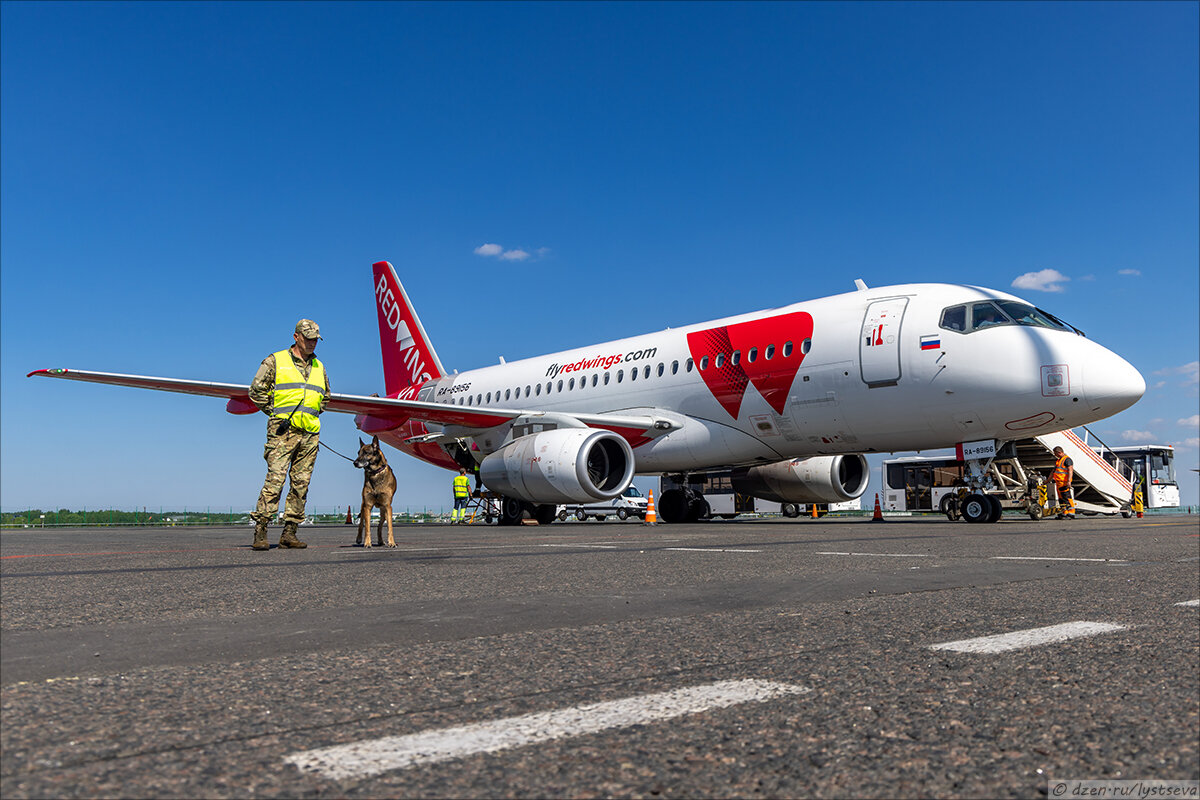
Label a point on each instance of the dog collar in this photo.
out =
(379, 471)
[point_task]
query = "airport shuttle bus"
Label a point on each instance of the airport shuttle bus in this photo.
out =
(918, 483)
(1154, 466)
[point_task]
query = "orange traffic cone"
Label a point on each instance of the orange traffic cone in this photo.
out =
(349, 516)
(878, 517)
(814, 510)
(651, 517)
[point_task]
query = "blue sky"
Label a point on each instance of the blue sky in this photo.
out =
(181, 182)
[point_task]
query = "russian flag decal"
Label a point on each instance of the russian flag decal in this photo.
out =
(931, 342)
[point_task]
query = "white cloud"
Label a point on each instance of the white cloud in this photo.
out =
(1129, 272)
(1191, 422)
(1046, 280)
(514, 255)
(1138, 437)
(1190, 371)
(1159, 385)
(1194, 442)
(488, 250)
(1088, 277)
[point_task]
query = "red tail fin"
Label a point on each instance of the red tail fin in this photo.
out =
(408, 358)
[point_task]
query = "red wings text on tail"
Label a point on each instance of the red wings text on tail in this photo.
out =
(408, 357)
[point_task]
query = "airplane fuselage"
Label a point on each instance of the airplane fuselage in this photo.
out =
(875, 370)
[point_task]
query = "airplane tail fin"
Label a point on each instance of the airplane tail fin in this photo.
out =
(408, 357)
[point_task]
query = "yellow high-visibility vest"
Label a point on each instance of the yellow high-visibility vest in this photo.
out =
(462, 486)
(294, 397)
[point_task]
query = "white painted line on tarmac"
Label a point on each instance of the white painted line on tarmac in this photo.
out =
(593, 546)
(1052, 558)
(361, 759)
(880, 555)
(1189, 603)
(709, 550)
(1018, 640)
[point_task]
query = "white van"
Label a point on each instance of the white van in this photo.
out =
(631, 503)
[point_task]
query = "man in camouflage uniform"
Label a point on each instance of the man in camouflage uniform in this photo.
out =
(291, 387)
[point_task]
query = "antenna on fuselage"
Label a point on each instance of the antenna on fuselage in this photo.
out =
(858, 283)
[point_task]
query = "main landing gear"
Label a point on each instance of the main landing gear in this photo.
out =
(682, 505)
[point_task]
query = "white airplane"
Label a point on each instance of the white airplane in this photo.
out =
(788, 398)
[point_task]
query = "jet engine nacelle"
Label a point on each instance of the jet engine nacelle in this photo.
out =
(820, 479)
(567, 465)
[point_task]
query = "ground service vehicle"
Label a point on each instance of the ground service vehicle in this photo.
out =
(630, 503)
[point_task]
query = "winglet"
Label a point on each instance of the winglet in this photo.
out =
(408, 357)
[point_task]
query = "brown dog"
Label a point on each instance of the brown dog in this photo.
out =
(379, 485)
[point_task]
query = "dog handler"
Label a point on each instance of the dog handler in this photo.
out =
(291, 387)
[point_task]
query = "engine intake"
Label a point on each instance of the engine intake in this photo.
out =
(820, 479)
(567, 465)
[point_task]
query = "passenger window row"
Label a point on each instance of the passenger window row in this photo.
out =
(567, 385)
(644, 373)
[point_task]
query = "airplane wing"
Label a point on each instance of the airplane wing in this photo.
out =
(381, 413)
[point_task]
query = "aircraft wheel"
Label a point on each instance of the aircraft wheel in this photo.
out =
(544, 514)
(579, 515)
(622, 514)
(673, 506)
(511, 511)
(976, 508)
(699, 509)
(997, 509)
(949, 507)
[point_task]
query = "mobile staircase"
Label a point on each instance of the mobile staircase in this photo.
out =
(1102, 481)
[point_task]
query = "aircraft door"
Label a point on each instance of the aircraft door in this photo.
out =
(879, 342)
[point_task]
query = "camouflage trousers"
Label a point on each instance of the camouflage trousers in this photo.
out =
(290, 454)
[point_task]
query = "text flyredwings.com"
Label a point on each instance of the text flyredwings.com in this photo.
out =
(600, 362)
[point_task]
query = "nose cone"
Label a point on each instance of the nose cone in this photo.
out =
(1112, 384)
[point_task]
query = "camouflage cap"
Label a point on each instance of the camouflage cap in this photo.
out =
(308, 329)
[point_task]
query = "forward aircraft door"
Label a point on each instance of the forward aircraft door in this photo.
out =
(879, 343)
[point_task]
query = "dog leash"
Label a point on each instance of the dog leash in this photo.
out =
(335, 452)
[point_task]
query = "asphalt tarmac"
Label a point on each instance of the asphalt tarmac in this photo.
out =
(773, 658)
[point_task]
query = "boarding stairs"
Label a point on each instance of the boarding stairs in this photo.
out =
(1102, 485)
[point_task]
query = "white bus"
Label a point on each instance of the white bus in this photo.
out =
(1154, 466)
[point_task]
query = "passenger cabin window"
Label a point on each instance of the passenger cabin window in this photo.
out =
(787, 349)
(620, 375)
(704, 363)
(688, 365)
(507, 394)
(571, 384)
(560, 383)
(606, 378)
(674, 367)
(646, 370)
(720, 360)
(805, 346)
(661, 369)
(752, 355)
(769, 353)
(527, 391)
(537, 390)
(736, 358)
(548, 385)
(633, 373)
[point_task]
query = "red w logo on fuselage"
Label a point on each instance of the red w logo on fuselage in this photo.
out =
(765, 352)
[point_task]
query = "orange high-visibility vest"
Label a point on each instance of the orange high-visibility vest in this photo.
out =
(1059, 475)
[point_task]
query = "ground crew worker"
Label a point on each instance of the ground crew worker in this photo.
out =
(462, 492)
(1061, 477)
(291, 387)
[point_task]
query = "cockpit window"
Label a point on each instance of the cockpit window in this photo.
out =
(1000, 312)
(954, 318)
(985, 315)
